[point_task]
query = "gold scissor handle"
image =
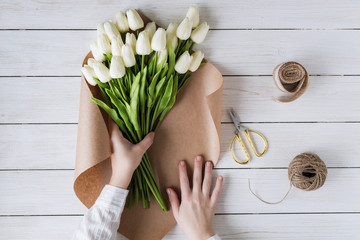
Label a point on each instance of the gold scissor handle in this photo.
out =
(248, 136)
(241, 142)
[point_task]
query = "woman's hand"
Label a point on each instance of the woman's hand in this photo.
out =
(196, 211)
(125, 156)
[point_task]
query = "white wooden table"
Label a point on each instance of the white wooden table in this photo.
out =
(42, 44)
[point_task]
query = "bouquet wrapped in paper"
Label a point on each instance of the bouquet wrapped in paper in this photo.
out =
(140, 70)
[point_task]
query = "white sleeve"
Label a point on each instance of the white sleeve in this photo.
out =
(215, 237)
(103, 218)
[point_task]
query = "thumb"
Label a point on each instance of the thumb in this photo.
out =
(144, 145)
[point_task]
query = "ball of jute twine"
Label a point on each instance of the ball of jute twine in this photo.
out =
(306, 172)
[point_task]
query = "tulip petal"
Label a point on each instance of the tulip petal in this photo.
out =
(134, 20)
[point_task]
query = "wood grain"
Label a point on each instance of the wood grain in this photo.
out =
(53, 146)
(39, 100)
(328, 98)
(50, 192)
(56, 100)
(37, 146)
(230, 14)
(236, 52)
(248, 39)
(308, 226)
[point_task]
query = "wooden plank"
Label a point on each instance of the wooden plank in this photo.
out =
(60, 53)
(38, 227)
(50, 192)
(335, 143)
(328, 98)
(279, 226)
(39, 100)
(258, 52)
(37, 146)
(53, 146)
(56, 100)
(38, 193)
(33, 14)
(290, 227)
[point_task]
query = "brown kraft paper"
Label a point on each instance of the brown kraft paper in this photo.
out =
(191, 128)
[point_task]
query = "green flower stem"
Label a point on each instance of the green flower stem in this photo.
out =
(191, 46)
(178, 47)
(156, 194)
(142, 61)
(148, 166)
(148, 120)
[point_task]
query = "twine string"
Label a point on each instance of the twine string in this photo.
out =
(306, 172)
(264, 201)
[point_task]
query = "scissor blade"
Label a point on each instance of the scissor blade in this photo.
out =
(234, 118)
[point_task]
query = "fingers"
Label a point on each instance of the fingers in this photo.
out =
(207, 178)
(174, 201)
(116, 136)
(114, 130)
(184, 180)
(197, 176)
(216, 192)
(144, 145)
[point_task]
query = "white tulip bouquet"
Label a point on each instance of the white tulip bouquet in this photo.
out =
(140, 71)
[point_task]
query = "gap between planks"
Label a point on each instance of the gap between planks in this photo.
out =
(212, 29)
(216, 214)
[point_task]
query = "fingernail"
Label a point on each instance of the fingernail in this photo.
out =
(198, 158)
(152, 134)
(182, 163)
(220, 178)
(208, 164)
(168, 191)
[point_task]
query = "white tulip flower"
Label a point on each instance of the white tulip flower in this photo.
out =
(171, 30)
(162, 57)
(193, 15)
(143, 44)
(134, 19)
(116, 45)
(158, 42)
(199, 34)
(89, 73)
(122, 22)
(117, 68)
(173, 41)
(171, 36)
(197, 57)
(104, 44)
(98, 55)
(100, 29)
(102, 72)
(150, 28)
(91, 62)
(131, 40)
(183, 63)
(128, 55)
(184, 30)
(111, 30)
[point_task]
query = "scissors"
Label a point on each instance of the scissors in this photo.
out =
(239, 128)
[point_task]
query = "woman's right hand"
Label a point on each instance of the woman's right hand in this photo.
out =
(196, 211)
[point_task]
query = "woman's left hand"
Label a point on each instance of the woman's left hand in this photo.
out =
(125, 156)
